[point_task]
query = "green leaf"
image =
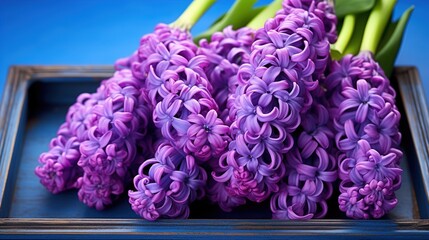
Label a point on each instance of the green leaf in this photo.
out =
(241, 22)
(346, 7)
(388, 32)
(387, 55)
(240, 13)
(269, 12)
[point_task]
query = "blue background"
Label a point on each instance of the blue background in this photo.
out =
(92, 32)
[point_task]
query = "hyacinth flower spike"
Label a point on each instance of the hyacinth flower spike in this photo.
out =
(366, 123)
(187, 116)
(226, 50)
(273, 90)
(310, 164)
(164, 100)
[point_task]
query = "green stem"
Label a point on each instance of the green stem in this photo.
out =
(355, 42)
(345, 34)
(192, 13)
(268, 12)
(377, 21)
(235, 15)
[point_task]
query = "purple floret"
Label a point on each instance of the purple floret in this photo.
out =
(367, 134)
(149, 45)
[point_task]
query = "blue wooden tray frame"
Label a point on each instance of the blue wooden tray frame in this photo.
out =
(11, 112)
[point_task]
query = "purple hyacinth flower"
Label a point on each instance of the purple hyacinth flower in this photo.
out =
(206, 135)
(273, 90)
(351, 203)
(361, 100)
(119, 116)
(310, 164)
(59, 170)
(167, 184)
(311, 168)
(186, 114)
(65, 154)
(111, 147)
(321, 8)
(225, 52)
(367, 135)
(149, 44)
(96, 190)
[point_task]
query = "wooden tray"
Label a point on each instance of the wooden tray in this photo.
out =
(34, 104)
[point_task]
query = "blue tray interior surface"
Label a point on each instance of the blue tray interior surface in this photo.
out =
(46, 105)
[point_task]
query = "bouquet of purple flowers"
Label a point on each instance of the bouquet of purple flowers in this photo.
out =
(268, 106)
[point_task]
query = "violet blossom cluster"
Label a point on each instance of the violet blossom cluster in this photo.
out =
(167, 183)
(226, 52)
(58, 170)
(311, 163)
(121, 123)
(366, 122)
(311, 167)
(321, 8)
(246, 104)
(274, 89)
(103, 136)
(186, 114)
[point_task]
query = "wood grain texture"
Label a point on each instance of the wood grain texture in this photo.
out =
(417, 114)
(211, 229)
(34, 105)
